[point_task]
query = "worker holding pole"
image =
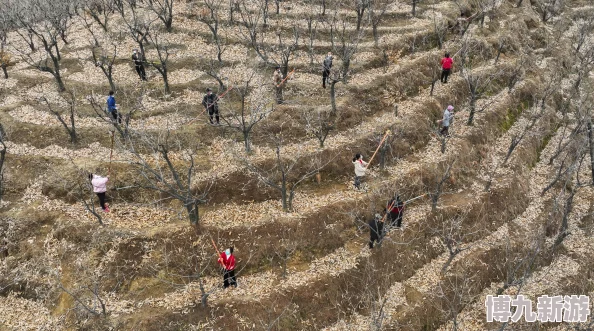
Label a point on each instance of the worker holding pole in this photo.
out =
(227, 261)
(279, 84)
(210, 103)
(376, 230)
(360, 169)
(395, 209)
(100, 187)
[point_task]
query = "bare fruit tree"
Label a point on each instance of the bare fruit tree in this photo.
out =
(286, 172)
(377, 10)
(319, 123)
(104, 59)
(69, 123)
(4, 54)
(139, 23)
(162, 50)
(100, 11)
(168, 172)
(479, 83)
(212, 18)
(164, 10)
(275, 45)
(254, 106)
(345, 43)
(454, 232)
(47, 22)
(441, 181)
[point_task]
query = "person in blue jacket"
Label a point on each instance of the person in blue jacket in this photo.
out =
(112, 109)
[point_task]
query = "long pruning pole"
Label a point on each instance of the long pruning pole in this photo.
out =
(378, 147)
(215, 246)
(217, 99)
(388, 210)
(111, 152)
(288, 75)
(223, 94)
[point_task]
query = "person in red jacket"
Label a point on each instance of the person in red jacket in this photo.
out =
(227, 261)
(446, 67)
(395, 209)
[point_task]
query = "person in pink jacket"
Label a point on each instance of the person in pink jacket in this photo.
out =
(100, 186)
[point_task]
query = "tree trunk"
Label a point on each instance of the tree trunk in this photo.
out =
(448, 262)
(111, 83)
(499, 52)
(432, 86)
(165, 80)
(61, 87)
(375, 36)
(203, 294)
(290, 202)
(56, 72)
(564, 223)
(265, 14)
(333, 95)
(414, 8)
(345, 69)
(472, 109)
(193, 212)
(219, 52)
(5, 71)
(284, 197)
(591, 143)
(246, 141)
(73, 137)
(169, 23)
(2, 158)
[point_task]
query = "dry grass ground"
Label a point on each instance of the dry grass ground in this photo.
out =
(310, 268)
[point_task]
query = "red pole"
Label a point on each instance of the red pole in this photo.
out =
(377, 149)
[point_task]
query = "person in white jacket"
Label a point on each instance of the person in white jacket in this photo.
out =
(100, 186)
(360, 168)
(448, 115)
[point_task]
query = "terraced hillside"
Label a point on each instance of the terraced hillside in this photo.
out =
(505, 203)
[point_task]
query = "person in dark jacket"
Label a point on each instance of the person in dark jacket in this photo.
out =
(376, 230)
(326, 69)
(396, 210)
(138, 59)
(227, 261)
(210, 103)
(112, 108)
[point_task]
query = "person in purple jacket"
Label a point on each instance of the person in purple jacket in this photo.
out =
(100, 186)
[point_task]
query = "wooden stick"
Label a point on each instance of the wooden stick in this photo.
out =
(215, 246)
(111, 153)
(289, 74)
(388, 210)
(223, 94)
(377, 149)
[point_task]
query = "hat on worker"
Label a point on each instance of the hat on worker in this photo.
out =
(450, 107)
